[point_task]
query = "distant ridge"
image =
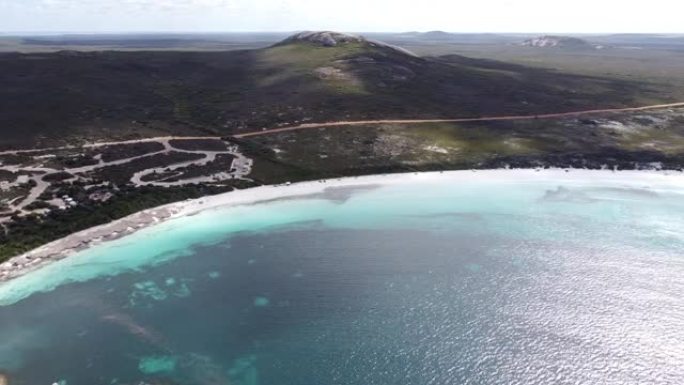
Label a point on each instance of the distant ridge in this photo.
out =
(438, 35)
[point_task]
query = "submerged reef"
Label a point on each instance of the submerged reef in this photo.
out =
(194, 368)
(201, 369)
(158, 364)
(243, 371)
(150, 291)
(261, 301)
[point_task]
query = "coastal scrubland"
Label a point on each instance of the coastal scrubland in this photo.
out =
(627, 141)
(210, 97)
(74, 96)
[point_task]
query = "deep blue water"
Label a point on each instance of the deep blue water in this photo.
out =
(532, 282)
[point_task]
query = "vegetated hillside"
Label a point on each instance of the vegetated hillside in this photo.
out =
(637, 40)
(64, 96)
(448, 38)
(641, 140)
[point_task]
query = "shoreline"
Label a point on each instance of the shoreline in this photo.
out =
(72, 244)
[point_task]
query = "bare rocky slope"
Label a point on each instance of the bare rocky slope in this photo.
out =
(324, 38)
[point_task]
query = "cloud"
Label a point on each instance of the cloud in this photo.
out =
(604, 16)
(131, 5)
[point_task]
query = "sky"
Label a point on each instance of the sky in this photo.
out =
(525, 16)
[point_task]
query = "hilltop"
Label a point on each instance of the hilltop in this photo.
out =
(324, 38)
(334, 39)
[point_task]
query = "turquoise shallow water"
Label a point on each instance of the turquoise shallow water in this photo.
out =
(438, 282)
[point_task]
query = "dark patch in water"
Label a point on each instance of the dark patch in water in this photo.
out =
(339, 194)
(564, 194)
(636, 192)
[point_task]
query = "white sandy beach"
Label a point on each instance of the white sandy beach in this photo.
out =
(74, 243)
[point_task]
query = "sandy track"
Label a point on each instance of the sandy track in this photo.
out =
(208, 156)
(161, 139)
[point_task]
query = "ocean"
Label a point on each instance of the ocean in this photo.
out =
(439, 280)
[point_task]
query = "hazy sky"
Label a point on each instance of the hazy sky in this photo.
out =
(344, 15)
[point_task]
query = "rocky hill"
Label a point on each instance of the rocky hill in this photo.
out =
(558, 42)
(51, 98)
(323, 38)
(335, 39)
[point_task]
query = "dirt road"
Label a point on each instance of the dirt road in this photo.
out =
(360, 123)
(459, 120)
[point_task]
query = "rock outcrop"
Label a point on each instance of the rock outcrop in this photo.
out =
(335, 39)
(324, 38)
(557, 42)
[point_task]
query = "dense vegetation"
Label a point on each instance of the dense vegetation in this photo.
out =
(68, 97)
(627, 141)
(62, 97)
(26, 233)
